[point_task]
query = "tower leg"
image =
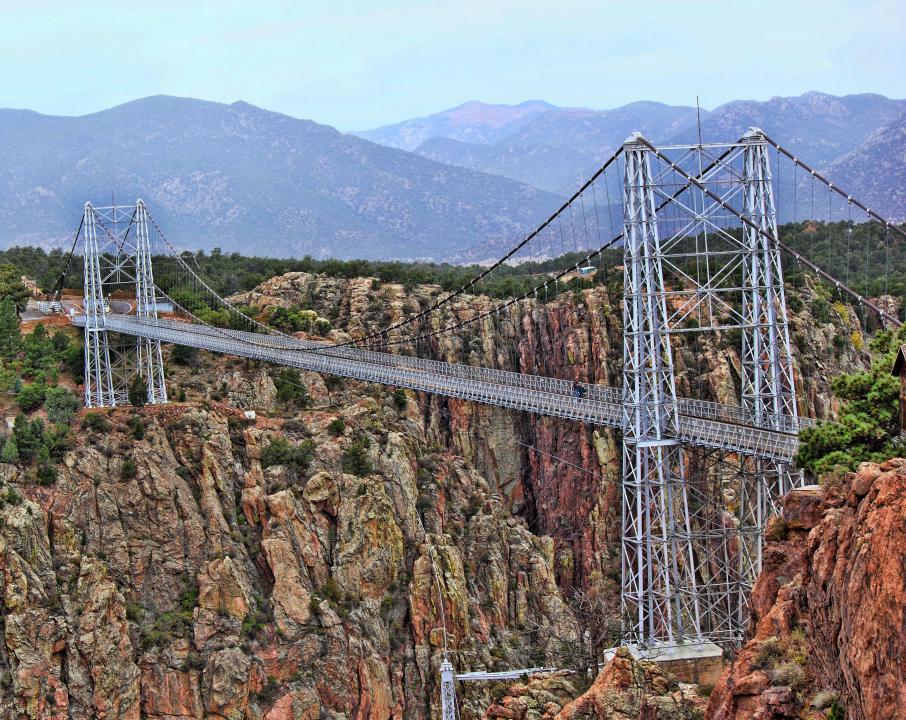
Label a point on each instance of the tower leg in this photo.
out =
(150, 364)
(447, 691)
(768, 386)
(99, 385)
(659, 598)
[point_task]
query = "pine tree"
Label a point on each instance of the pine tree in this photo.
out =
(12, 287)
(10, 453)
(138, 392)
(9, 328)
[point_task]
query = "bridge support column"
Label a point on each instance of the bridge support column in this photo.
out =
(99, 384)
(121, 259)
(768, 386)
(447, 691)
(149, 360)
(659, 598)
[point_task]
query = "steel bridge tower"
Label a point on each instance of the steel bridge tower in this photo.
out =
(659, 597)
(686, 575)
(118, 259)
(766, 358)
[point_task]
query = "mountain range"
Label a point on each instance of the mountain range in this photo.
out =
(557, 149)
(441, 187)
(246, 179)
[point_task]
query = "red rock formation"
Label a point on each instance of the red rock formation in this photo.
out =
(207, 585)
(831, 600)
(629, 689)
(574, 499)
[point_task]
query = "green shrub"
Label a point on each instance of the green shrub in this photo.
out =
(337, 426)
(128, 470)
(331, 590)
(400, 399)
(290, 389)
(138, 427)
(790, 674)
(355, 459)
(46, 474)
(769, 655)
(97, 422)
(821, 310)
(30, 397)
(61, 404)
(280, 452)
(184, 355)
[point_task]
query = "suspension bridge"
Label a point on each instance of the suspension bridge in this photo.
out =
(701, 253)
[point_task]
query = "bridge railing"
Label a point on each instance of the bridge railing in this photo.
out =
(556, 400)
(594, 391)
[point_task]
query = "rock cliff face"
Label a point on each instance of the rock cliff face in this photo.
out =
(829, 608)
(179, 576)
(301, 567)
(579, 337)
(626, 689)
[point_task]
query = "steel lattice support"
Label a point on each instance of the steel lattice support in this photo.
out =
(150, 364)
(119, 259)
(99, 387)
(768, 389)
(768, 385)
(659, 598)
(447, 691)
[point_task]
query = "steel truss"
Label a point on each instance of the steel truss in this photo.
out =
(119, 258)
(696, 265)
(766, 359)
(659, 594)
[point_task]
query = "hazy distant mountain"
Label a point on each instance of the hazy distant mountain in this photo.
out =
(819, 127)
(474, 122)
(557, 149)
(556, 168)
(242, 178)
(878, 169)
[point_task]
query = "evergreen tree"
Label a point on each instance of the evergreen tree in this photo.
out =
(138, 392)
(867, 423)
(12, 287)
(61, 405)
(10, 452)
(10, 337)
(29, 437)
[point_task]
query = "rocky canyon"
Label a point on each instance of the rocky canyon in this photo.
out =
(319, 559)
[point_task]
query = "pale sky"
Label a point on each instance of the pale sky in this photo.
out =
(357, 65)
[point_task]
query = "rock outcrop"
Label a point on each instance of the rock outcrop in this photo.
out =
(567, 487)
(177, 575)
(625, 689)
(829, 609)
(192, 570)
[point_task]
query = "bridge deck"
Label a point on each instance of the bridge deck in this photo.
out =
(700, 423)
